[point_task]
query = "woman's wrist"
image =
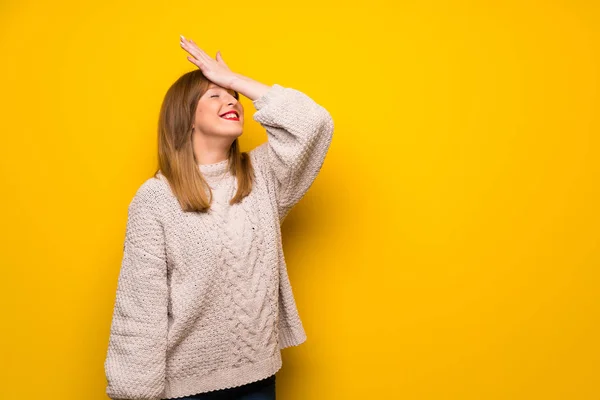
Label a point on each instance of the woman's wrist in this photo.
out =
(248, 87)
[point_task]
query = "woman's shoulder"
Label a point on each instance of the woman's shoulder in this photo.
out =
(259, 151)
(258, 155)
(153, 193)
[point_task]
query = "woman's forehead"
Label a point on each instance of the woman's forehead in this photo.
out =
(215, 86)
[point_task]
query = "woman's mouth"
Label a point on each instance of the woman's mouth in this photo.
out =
(232, 116)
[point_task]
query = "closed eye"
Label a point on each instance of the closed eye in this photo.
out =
(235, 94)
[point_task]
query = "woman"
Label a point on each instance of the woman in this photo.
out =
(204, 304)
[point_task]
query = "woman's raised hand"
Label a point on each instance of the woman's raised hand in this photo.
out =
(215, 70)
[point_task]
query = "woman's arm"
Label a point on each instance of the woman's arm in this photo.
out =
(136, 358)
(299, 133)
(249, 87)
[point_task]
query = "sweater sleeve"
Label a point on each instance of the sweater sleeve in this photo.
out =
(299, 134)
(136, 356)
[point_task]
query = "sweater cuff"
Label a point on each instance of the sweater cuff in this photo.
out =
(273, 92)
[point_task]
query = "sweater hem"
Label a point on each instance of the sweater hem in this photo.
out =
(223, 379)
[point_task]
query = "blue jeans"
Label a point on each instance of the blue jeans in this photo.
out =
(260, 390)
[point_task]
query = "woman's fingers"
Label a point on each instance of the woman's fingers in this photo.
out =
(219, 59)
(191, 47)
(215, 70)
(194, 50)
(195, 62)
(200, 53)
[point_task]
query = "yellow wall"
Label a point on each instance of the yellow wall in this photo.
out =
(449, 249)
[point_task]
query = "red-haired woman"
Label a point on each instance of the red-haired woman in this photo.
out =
(204, 304)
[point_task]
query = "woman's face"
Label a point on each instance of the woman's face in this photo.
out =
(210, 114)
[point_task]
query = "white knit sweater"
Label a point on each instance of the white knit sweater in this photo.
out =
(203, 300)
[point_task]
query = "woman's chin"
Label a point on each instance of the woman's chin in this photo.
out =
(232, 132)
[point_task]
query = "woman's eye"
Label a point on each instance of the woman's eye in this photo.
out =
(215, 95)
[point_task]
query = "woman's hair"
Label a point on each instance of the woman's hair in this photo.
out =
(176, 158)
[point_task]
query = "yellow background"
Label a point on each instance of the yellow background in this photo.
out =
(449, 248)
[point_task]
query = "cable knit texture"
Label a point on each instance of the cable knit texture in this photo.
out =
(203, 300)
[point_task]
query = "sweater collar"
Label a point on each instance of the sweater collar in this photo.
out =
(214, 169)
